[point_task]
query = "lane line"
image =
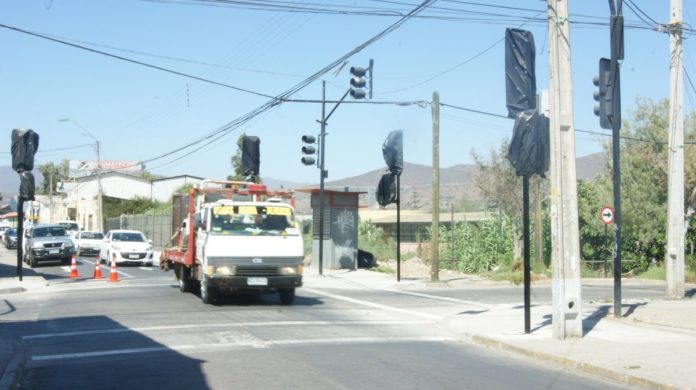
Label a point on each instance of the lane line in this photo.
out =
(109, 268)
(223, 325)
(439, 298)
(373, 305)
(95, 285)
(253, 344)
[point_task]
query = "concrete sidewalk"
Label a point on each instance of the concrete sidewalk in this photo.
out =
(9, 280)
(652, 345)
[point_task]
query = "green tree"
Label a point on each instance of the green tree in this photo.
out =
(52, 174)
(236, 161)
(502, 189)
(644, 176)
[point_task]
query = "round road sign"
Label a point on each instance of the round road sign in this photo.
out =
(607, 215)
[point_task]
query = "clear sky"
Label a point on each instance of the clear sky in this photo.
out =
(140, 113)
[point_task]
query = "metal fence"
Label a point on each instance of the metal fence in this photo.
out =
(157, 228)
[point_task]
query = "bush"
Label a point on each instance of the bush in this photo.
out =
(372, 239)
(477, 248)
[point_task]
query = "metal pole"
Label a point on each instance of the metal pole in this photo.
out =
(322, 135)
(616, 161)
(20, 235)
(525, 239)
(606, 256)
(398, 227)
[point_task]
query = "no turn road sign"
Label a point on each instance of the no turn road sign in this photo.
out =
(607, 215)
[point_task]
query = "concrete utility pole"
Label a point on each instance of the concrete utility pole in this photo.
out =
(565, 244)
(435, 230)
(100, 214)
(674, 258)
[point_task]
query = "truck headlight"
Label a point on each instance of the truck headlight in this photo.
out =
(288, 270)
(224, 270)
(36, 245)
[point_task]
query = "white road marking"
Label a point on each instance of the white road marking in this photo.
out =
(253, 344)
(146, 268)
(108, 268)
(94, 285)
(374, 305)
(439, 298)
(222, 325)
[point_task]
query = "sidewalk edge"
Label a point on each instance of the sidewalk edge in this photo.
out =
(571, 364)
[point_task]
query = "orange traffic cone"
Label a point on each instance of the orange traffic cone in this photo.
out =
(73, 268)
(97, 268)
(113, 276)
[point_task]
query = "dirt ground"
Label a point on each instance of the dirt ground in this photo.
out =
(415, 268)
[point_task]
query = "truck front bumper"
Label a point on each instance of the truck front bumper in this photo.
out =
(250, 283)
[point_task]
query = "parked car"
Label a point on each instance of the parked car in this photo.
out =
(88, 242)
(126, 246)
(48, 243)
(10, 238)
(3, 230)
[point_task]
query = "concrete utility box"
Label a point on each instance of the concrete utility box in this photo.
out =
(340, 229)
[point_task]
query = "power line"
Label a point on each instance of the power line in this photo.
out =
(279, 99)
(126, 59)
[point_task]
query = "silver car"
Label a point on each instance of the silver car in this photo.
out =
(48, 243)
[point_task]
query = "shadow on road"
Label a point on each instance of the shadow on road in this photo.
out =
(97, 352)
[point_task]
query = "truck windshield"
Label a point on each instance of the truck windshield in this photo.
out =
(252, 220)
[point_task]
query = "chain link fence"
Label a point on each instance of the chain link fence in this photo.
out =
(157, 228)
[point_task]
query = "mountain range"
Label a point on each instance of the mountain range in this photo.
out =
(456, 182)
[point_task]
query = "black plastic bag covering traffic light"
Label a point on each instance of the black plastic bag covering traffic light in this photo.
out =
(251, 156)
(386, 189)
(520, 76)
(529, 149)
(25, 143)
(26, 185)
(393, 151)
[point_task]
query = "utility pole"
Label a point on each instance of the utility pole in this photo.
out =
(100, 224)
(675, 198)
(565, 244)
(435, 230)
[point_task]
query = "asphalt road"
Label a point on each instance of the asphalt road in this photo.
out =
(143, 333)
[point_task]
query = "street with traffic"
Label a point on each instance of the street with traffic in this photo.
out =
(345, 329)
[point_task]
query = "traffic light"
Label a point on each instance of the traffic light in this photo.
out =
(27, 186)
(25, 143)
(251, 156)
(608, 95)
(359, 81)
(309, 149)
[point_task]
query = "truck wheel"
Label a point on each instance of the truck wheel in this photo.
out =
(207, 293)
(32, 262)
(185, 279)
(287, 295)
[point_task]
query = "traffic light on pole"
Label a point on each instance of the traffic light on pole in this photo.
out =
(309, 150)
(608, 94)
(359, 81)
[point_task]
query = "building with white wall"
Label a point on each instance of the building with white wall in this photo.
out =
(81, 200)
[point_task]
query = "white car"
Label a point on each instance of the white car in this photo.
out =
(88, 242)
(126, 246)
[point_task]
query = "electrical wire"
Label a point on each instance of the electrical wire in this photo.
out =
(279, 99)
(121, 58)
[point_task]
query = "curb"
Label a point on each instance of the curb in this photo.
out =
(571, 364)
(14, 371)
